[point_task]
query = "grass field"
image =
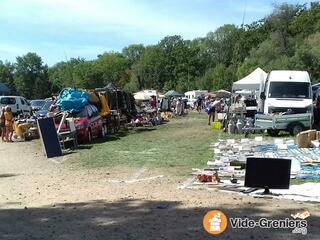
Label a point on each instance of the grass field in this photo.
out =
(177, 146)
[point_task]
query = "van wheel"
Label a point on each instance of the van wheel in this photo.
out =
(273, 132)
(296, 129)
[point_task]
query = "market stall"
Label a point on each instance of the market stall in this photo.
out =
(147, 108)
(227, 169)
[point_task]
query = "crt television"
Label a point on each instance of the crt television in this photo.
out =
(267, 173)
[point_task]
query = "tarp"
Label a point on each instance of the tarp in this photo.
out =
(72, 101)
(209, 94)
(223, 94)
(173, 93)
(251, 82)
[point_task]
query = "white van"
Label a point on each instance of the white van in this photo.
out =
(193, 95)
(287, 90)
(18, 104)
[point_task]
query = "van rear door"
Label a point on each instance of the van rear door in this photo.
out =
(10, 101)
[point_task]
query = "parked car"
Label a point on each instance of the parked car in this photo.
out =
(18, 104)
(42, 112)
(37, 104)
(88, 124)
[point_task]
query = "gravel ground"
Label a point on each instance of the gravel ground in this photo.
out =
(46, 199)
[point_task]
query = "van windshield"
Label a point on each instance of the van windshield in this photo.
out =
(289, 90)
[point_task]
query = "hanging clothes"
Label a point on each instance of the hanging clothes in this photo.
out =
(165, 105)
(105, 110)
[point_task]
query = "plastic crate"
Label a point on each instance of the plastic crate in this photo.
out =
(216, 125)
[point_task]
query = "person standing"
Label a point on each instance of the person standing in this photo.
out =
(318, 103)
(212, 110)
(199, 104)
(316, 113)
(3, 125)
(8, 123)
(179, 107)
(153, 102)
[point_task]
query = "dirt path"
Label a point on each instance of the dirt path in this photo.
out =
(43, 199)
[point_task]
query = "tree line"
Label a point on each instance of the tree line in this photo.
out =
(288, 38)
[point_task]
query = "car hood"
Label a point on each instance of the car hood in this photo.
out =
(41, 113)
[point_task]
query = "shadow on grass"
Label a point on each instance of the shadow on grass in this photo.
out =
(136, 219)
(84, 146)
(110, 138)
(144, 129)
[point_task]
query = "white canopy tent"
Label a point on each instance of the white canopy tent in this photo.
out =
(251, 82)
(145, 94)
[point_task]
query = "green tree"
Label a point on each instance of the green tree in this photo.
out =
(307, 57)
(219, 77)
(249, 37)
(112, 69)
(307, 21)
(219, 46)
(61, 76)
(31, 77)
(7, 74)
(133, 85)
(150, 70)
(133, 53)
(182, 64)
(280, 21)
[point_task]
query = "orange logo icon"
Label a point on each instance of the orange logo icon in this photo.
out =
(215, 222)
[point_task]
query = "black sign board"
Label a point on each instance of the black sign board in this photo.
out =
(49, 137)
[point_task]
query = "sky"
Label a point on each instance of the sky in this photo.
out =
(58, 30)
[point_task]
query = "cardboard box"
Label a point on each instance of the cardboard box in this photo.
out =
(312, 135)
(318, 135)
(303, 139)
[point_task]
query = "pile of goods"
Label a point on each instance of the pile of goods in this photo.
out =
(73, 101)
(229, 157)
(25, 129)
(208, 176)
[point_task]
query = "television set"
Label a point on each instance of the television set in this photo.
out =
(267, 173)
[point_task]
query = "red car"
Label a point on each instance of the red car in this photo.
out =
(88, 124)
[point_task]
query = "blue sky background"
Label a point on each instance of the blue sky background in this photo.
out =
(61, 29)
